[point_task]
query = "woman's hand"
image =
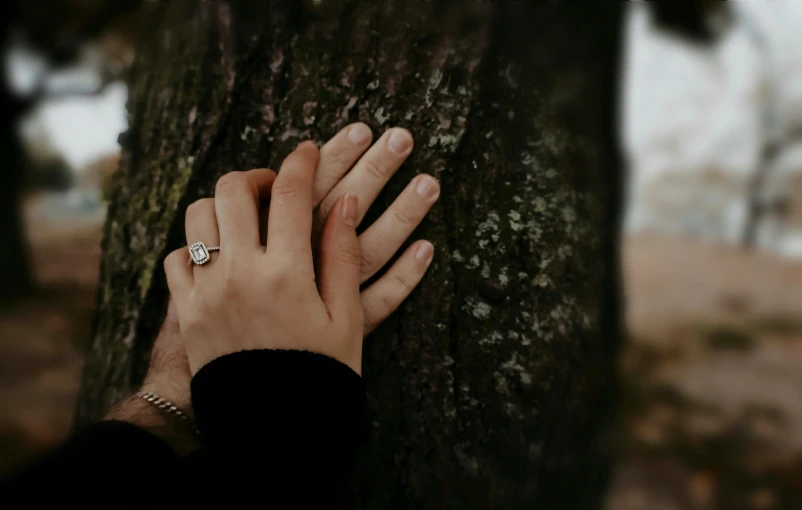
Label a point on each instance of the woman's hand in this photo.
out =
(335, 177)
(254, 297)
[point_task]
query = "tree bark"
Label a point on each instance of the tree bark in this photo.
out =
(493, 385)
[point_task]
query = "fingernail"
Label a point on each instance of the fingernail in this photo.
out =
(428, 188)
(399, 141)
(359, 134)
(425, 252)
(349, 209)
(306, 142)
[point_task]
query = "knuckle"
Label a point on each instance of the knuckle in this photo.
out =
(277, 281)
(199, 208)
(297, 159)
(388, 305)
(368, 325)
(382, 307)
(267, 171)
(349, 253)
(402, 217)
(230, 179)
(172, 259)
(324, 209)
(335, 156)
(404, 285)
(368, 261)
(375, 170)
(286, 191)
(372, 316)
(276, 277)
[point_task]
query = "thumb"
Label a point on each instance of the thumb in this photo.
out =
(340, 261)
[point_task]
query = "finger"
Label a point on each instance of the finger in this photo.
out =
(382, 239)
(237, 197)
(201, 225)
(388, 292)
(338, 155)
(179, 275)
(289, 223)
(340, 261)
(372, 172)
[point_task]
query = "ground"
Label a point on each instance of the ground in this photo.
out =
(41, 338)
(712, 373)
(712, 377)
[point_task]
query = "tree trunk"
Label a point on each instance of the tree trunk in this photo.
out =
(493, 384)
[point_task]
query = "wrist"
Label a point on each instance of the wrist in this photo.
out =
(175, 393)
(176, 432)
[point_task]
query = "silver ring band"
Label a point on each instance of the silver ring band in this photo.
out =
(200, 254)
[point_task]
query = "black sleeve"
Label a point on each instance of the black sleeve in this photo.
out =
(278, 424)
(107, 464)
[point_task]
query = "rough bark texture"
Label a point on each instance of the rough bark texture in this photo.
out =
(492, 385)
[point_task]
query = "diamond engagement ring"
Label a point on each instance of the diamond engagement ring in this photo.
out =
(199, 253)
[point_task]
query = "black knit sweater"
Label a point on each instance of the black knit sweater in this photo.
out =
(280, 429)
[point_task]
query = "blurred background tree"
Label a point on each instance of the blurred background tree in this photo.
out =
(59, 31)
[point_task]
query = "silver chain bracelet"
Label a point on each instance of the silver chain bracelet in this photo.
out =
(169, 407)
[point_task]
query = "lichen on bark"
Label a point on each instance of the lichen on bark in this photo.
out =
(491, 385)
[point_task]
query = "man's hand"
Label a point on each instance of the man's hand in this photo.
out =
(168, 377)
(345, 167)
